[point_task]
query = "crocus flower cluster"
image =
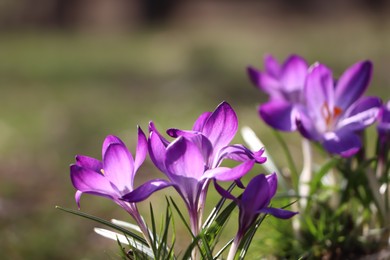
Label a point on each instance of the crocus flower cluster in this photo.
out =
(254, 201)
(190, 161)
(194, 157)
(309, 99)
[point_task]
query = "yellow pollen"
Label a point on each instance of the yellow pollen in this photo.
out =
(102, 171)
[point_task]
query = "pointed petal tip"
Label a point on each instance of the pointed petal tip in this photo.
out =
(77, 198)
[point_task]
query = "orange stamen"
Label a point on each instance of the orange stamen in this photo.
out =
(328, 115)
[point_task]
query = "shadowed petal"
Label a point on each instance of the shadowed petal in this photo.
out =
(353, 83)
(119, 167)
(224, 193)
(306, 127)
(384, 119)
(142, 149)
(272, 180)
(279, 115)
(279, 213)
(221, 126)
(89, 163)
(157, 151)
(255, 196)
(343, 142)
(184, 158)
(145, 190)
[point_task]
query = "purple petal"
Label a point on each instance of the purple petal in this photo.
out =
(119, 167)
(384, 119)
(343, 142)
(197, 138)
(204, 145)
(240, 153)
(279, 115)
(224, 193)
(256, 195)
(279, 213)
(293, 73)
(264, 82)
(229, 174)
(221, 126)
(89, 163)
(185, 159)
(361, 114)
(142, 149)
(199, 123)
(319, 93)
(110, 139)
(152, 128)
(306, 127)
(145, 190)
(272, 180)
(77, 197)
(353, 83)
(188, 188)
(86, 180)
(157, 151)
(272, 66)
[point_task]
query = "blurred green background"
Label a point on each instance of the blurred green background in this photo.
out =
(72, 72)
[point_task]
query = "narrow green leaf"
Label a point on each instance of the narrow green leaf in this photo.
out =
(316, 181)
(106, 223)
(290, 160)
(217, 208)
(223, 248)
(247, 240)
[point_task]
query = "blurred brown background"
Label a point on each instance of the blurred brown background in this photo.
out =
(74, 71)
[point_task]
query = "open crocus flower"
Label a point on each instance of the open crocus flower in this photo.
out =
(213, 132)
(194, 158)
(254, 200)
(284, 84)
(336, 112)
(112, 177)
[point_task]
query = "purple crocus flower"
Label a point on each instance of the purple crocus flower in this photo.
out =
(112, 177)
(194, 158)
(213, 132)
(336, 111)
(383, 142)
(384, 122)
(284, 84)
(254, 200)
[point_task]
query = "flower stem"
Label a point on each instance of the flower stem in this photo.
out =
(306, 174)
(234, 247)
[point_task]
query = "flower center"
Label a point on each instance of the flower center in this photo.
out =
(330, 115)
(102, 171)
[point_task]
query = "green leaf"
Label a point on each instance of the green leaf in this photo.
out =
(316, 181)
(290, 160)
(106, 223)
(247, 239)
